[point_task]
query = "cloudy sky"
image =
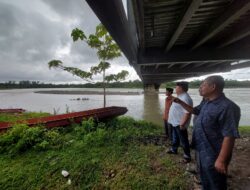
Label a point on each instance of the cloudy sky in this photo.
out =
(33, 32)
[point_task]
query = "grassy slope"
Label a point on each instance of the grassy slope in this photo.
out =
(244, 130)
(107, 156)
(15, 117)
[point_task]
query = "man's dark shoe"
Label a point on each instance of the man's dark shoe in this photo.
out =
(186, 160)
(171, 152)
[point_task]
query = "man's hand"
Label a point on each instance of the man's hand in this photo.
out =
(222, 162)
(221, 166)
(183, 104)
(176, 100)
(182, 127)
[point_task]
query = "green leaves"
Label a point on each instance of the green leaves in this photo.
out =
(21, 138)
(104, 65)
(55, 64)
(106, 48)
(94, 42)
(122, 75)
(75, 71)
(119, 76)
(100, 31)
(100, 68)
(78, 34)
(78, 72)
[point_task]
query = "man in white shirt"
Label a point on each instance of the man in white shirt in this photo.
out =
(179, 118)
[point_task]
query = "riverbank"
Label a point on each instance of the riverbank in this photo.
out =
(120, 154)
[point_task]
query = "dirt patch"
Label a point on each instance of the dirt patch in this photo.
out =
(239, 169)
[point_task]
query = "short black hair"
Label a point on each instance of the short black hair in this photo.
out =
(171, 90)
(183, 85)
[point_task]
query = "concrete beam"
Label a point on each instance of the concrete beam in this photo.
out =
(194, 5)
(138, 11)
(241, 65)
(237, 51)
(164, 70)
(112, 15)
(234, 12)
(244, 32)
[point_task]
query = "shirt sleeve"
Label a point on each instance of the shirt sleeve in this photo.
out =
(197, 109)
(188, 101)
(230, 121)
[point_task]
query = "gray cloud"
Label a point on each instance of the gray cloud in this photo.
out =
(34, 32)
(28, 41)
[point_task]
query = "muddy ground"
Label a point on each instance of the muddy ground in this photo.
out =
(239, 168)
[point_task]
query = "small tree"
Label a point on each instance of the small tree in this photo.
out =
(107, 49)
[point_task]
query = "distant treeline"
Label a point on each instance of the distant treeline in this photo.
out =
(130, 84)
(37, 84)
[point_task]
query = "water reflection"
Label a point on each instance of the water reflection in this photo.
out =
(152, 108)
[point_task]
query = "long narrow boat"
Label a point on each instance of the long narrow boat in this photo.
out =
(10, 110)
(67, 119)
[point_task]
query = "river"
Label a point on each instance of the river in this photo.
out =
(142, 106)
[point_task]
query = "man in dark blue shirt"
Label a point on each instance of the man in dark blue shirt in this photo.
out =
(215, 130)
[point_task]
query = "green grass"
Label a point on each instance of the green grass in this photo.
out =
(15, 117)
(107, 155)
(244, 130)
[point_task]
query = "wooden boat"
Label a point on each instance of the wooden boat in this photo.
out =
(16, 110)
(67, 119)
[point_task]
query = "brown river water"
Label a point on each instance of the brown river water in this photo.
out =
(140, 106)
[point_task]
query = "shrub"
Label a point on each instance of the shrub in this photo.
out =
(99, 137)
(53, 137)
(29, 138)
(20, 138)
(9, 139)
(120, 123)
(86, 127)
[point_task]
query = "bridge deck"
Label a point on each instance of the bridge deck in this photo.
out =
(178, 39)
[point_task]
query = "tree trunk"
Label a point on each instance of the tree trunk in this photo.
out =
(104, 89)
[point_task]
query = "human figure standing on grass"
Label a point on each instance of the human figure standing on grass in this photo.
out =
(179, 119)
(168, 102)
(216, 128)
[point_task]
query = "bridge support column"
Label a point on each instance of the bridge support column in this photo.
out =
(151, 88)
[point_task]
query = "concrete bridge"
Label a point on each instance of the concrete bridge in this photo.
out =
(166, 40)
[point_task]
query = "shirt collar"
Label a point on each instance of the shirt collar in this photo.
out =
(218, 99)
(181, 94)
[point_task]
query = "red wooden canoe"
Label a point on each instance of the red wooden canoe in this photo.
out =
(16, 110)
(67, 119)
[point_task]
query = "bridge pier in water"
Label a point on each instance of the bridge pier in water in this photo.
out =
(151, 88)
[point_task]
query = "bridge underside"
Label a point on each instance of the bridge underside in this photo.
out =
(178, 39)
